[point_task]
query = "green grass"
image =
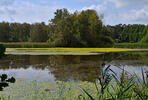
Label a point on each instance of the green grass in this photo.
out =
(27, 45)
(47, 45)
(131, 45)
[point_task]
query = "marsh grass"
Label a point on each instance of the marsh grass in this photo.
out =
(49, 45)
(27, 45)
(131, 45)
(124, 87)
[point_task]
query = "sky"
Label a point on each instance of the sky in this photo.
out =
(114, 11)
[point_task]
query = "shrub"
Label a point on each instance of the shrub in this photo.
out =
(2, 50)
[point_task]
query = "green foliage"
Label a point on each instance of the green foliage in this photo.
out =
(16, 32)
(5, 82)
(145, 38)
(38, 32)
(128, 33)
(2, 50)
(80, 29)
(19, 32)
(124, 87)
(4, 32)
(130, 45)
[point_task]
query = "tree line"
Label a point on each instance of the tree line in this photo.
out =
(17, 32)
(78, 29)
(129, 33)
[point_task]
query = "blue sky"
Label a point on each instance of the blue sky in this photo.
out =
(115, 11)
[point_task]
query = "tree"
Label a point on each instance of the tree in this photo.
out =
(77, 29)
(60, 32)
(19, 32)
(38, 32)
(24, 32)
(4, 32)
(14, 33)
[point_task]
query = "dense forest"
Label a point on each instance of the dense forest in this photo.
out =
(129, 33)
(78, 29)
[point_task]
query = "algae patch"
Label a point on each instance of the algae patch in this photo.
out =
(65, 51)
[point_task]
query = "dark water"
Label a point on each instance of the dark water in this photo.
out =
(71, 68)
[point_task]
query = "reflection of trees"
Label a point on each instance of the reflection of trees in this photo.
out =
(131, 58)
(23, 61)
(85, 68)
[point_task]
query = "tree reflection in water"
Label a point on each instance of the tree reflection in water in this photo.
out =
(84, 68)
(77, 68)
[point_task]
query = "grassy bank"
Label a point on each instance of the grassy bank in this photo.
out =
(47, 45)
(27, 45)
(131, 45)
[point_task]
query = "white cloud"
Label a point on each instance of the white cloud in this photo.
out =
(129, 17)
(125, 11)
(6, 2)
(136, 15)
(136, 3)
(7, 10)
(100, 8)
(27, 12)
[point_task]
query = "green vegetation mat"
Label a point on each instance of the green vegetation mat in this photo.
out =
(65, 51)
(45, 90)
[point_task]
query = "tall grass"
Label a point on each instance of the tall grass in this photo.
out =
(27, 45)
(125, 87)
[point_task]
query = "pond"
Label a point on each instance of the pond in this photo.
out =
(71, 67)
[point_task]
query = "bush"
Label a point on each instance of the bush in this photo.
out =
(130, 45)
(144, 39)
(2, 50)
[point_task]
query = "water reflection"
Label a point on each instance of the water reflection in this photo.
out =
(66, 68)
(85, 68)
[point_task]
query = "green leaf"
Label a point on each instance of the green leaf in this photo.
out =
(88, 94)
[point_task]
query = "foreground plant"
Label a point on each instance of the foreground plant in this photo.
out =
(5, 81)
(104, 81)
(141, 88)
(124, 87)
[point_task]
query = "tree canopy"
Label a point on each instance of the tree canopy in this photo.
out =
(79, 29)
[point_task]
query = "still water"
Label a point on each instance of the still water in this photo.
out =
(71, 68)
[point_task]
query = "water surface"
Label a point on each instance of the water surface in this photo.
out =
(71, 67)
